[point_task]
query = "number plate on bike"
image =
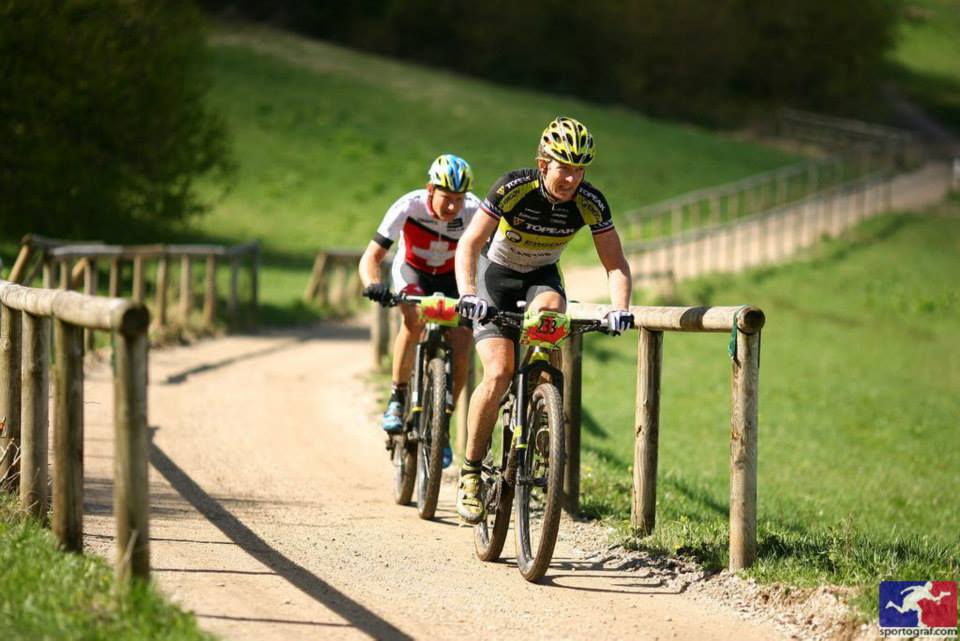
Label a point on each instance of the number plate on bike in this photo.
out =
(440, 310)
(544, 329)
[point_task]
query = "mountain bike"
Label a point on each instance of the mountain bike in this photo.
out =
(417, 451)
(525, 468)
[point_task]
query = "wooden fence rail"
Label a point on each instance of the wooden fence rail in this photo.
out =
(765, 237)
(26, 314)
(80, 261)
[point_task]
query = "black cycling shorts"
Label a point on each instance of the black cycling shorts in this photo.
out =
(503, 288)
(412, 281)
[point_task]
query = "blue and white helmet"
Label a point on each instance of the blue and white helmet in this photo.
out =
(451, 173)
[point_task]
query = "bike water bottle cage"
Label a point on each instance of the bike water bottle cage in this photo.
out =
(439, 309)
(544, 329)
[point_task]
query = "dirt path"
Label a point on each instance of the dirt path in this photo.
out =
(272, 516)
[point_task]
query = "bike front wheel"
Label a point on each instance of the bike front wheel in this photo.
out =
(434, 424)
(539, 491)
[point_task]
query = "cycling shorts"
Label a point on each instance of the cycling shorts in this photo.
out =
(410, 280)
(503, 288)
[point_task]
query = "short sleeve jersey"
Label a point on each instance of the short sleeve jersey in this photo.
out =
(426, 243)
(532, 230)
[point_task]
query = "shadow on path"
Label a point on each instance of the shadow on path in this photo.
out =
(307, 582)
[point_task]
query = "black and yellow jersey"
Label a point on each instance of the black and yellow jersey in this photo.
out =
(533, 230)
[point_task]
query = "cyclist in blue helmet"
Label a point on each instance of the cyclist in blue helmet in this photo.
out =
(428, 223)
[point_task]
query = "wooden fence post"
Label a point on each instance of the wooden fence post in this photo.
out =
(186, 290)
(317, 286)
(10, 342)
(572, 382)
(255, 284)
(90, 289)
(210, 294)
(47, 273)
(35, 414)
(65, 265)
(743, 451)
(20, 264)
(163, 268)
(643, 516)
(131, 504)
(232, 300)
(138, 278)
(114, 284)
(68, 437)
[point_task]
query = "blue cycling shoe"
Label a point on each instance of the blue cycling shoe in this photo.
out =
(447, 456)
(393, 418)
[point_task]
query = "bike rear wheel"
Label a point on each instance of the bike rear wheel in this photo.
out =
(497, 495)
(539, 492)
(434, 424)
(404, 458)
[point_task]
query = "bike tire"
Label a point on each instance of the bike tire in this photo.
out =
(534, 554)
(434, 424)
(490, 534)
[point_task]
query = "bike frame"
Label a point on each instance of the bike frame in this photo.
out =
(432, 341)
(536, 361)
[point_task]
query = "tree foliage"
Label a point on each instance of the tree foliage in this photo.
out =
(700, 59)
(103, 124)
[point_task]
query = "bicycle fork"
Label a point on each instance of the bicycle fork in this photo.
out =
(538, 364)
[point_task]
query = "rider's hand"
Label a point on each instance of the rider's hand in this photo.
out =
(472, 307)
(377, 292)
(618, 320)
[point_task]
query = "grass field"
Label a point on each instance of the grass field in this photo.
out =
(927, 57)
(51, 595)
(859, 462)
(327, 138)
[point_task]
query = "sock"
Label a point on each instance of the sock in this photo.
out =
(470, 466)
(398, 393)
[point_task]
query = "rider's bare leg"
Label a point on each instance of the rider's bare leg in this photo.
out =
(403, 347)
(496, 354)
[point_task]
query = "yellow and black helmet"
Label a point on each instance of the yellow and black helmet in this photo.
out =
(568, 141)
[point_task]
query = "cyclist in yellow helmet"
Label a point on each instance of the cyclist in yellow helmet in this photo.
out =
(510, 254)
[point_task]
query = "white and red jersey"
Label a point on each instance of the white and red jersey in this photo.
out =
(427, 244)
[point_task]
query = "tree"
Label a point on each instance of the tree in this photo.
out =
(104, 128)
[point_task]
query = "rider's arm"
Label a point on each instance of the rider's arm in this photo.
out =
(610, 251)
(468, 249)
(387, 233)
(373, 255)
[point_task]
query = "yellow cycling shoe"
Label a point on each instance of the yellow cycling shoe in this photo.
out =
(469, 505)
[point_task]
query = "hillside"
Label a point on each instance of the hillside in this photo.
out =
(326, 138)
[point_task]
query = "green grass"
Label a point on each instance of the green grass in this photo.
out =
(327, 138)
(859, 462)
(927, 57)
(49, 594)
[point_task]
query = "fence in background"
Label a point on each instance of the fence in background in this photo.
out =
(70, 264)
(25, 318)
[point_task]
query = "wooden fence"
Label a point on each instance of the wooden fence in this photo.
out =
(769, 236)
(744, 324)
(25, 319)
(334, 280)
(900, 148)
(73, 262)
